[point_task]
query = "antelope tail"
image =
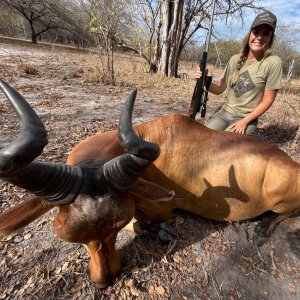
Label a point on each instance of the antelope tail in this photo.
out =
(22, 214)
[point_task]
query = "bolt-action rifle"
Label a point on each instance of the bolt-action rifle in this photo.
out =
(200, 95)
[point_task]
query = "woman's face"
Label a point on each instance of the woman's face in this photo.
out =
(260, 38)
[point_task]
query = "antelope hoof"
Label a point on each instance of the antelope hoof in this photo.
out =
(160, 230)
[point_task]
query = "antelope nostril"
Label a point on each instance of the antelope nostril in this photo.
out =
(101, 285)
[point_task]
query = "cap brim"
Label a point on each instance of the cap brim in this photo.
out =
(263, 23)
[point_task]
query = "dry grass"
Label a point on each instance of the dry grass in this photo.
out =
(208, 261)
(280, 125)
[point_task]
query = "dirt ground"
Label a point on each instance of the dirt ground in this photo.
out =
(209, 260)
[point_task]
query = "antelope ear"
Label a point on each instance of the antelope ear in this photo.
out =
(149, 191)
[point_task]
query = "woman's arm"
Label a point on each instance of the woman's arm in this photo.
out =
(217, 87)
(261, 108)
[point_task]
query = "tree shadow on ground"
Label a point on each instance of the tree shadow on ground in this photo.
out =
(209, 255)
(278, 134)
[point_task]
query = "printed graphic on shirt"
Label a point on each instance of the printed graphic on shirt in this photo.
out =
(243, 85)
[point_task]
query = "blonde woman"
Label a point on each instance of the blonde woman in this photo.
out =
(251, 80)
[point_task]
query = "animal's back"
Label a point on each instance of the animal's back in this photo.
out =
(220, 174)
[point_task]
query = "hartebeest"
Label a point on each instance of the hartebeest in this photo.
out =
(225, 176)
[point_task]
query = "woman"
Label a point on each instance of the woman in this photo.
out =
(251, 80)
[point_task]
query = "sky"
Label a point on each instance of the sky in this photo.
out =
(287, 12)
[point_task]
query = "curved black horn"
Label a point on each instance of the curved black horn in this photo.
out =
(4, 141)
(122, 172)
(57, 183)
(129, 140)
(32, 137)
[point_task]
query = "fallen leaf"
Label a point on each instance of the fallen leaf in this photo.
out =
(130, 282)
(27, 236)
(134, 291)
(151, 289)
(160, 290)
(198, 260)
(177, 259)
(65, 266)
(215, 234)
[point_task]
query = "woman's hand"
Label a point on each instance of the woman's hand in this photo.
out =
(198, 73)
(239, 126)
(216, 87)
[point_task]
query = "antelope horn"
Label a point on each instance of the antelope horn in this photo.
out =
(129, 140)
(32, 137)
(57, 183)
(4, 141)
(123, 171)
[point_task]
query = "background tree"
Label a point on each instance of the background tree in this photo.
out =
(182, 19)
(287, 39)
(107, 19)
(143, 33)
(221, 51)
(73, 23)
(172, 17)
(36, 13)
(11, 23)
(160, 31)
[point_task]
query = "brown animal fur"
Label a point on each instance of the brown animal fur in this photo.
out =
(23, 214)
(218, 175)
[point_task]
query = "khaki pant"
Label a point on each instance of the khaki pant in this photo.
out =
(222, 120)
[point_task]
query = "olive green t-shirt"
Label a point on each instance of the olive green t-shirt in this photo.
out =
(254, 78)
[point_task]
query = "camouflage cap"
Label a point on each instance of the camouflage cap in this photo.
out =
(265, 17)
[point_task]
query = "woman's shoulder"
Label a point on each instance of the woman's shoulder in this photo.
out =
(235, 57)
(234, 60)
(273, 59)
(272, 63)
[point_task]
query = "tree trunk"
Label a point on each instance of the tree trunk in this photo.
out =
(158, 41)
(163, 63)
(33, 34)
(172, 12)
(33, 38)
(175, 44)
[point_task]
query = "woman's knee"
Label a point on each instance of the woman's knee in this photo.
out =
(216, 123)
(251, 129)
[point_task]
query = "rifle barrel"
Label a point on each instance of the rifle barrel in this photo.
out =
(211, 24)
